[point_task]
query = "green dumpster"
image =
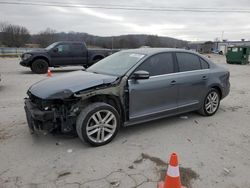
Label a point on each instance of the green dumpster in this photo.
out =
(238, 55)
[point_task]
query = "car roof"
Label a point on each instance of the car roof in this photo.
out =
(151, 51)
(70, 42)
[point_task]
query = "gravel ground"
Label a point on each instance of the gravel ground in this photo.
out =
(213, 151)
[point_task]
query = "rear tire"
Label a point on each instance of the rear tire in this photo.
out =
(39, 66)
(211, 103)
(98, 124)
(95, 60)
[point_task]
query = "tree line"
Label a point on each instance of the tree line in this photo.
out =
(18, 36)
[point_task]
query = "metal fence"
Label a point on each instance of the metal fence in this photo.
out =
(15, 51)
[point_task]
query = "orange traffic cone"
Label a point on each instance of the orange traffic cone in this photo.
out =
(172, 179)
(49, 74)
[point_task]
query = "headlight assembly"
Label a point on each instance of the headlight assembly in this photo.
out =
(26, 56)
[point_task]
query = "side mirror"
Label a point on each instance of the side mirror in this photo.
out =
(140, 75)
(55, 50)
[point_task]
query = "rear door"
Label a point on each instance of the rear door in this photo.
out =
(60, 54)
(192, 80)
(156, 95)
(78, 54)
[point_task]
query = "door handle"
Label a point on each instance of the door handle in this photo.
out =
(204, 77)
(173, 82)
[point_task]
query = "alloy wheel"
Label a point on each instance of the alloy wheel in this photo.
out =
(101, 126)
(212, 102)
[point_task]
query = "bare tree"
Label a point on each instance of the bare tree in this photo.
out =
(13, 35)
(153, 41)
(46, 37)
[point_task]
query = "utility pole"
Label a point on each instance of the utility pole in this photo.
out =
(112, 43)
(222, 36)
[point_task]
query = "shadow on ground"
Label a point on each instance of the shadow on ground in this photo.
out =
(122, 136)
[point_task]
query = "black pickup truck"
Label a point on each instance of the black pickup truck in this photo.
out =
(63, 54)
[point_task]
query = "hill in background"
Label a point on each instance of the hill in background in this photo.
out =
(123, 41)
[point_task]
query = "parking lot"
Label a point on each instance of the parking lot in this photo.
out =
(213, 151)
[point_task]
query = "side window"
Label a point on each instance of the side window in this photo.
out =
(188, 62)
(63, 48)
(158, 64)
(204, 64)
(77, 47)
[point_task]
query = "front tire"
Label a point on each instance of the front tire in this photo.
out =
(98, 124)
(211, 103)
(39, 66)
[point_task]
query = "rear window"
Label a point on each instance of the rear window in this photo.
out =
(78, 47)
(188, 62)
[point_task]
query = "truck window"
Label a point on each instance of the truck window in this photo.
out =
(78, 47)
(63, 48)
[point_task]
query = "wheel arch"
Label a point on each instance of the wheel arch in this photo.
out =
(97, 56)
(218, 88)
(108, 99)
(40, 57)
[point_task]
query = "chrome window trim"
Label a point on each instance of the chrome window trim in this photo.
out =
(175, 73)
(178, 73)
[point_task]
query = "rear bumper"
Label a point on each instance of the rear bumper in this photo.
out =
(38, 119)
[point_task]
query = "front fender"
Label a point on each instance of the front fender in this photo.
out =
(44, 57)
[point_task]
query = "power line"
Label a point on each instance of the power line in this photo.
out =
(133, 6)
(130, 8)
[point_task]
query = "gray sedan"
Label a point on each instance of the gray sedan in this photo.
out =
(126, 88)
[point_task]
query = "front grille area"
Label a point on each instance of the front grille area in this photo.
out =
(40, 103)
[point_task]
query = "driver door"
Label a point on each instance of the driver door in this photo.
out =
(60, 55)
(157, 95)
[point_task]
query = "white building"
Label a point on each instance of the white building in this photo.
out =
(222, 46)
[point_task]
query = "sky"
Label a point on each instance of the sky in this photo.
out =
(186, 25)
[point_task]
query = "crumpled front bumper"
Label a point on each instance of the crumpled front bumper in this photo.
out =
(26, 62)
(38, 119)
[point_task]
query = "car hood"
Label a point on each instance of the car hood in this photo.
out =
(65, 85)
(37, 51)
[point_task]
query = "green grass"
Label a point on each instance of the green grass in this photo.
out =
(10, 55)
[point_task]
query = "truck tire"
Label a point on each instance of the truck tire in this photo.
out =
(98, 124)
(96, 59)
(39, 66)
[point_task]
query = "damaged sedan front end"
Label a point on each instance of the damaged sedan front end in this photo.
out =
(50, 115)
(51, 106)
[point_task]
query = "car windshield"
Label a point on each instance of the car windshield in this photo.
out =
(51, 46)
(117, 64)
